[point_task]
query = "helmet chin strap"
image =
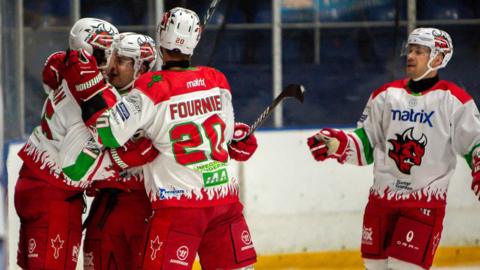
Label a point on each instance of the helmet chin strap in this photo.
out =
(430, 69)
(130, 84)
(127, 87)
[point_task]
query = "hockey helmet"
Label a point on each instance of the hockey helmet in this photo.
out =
(141, 48)
(438, 41)
(95, 36)
(179, 30)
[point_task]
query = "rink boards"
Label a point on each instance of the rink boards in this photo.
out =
(302, 212)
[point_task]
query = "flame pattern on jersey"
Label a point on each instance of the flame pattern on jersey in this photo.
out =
(67, 145)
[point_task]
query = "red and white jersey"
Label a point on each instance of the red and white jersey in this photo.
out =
(188, 114)
(413, 140)
(61, 150)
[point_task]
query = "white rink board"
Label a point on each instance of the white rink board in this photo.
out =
(294, 204)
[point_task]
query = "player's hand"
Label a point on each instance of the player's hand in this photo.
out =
(133, 153)
(328, 143)
(83, 76)
(242, 147)
(51, 74)
(476, 172)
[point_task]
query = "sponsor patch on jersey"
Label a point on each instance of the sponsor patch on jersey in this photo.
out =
(215, 178)
(413, 116)
(134, 103)
(165, 194)
(122, 111)
(196, 83)
(363, 117)
(399, 184)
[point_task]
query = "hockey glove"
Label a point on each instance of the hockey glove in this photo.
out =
(133, 153)
(476, 172)
(328, 143)
(88, 86)
(83, 76)
(242, 147)
(51, 76)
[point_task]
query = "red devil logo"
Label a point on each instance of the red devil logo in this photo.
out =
(407, 151)
(441, 41)
(146, 49)
(101, 37)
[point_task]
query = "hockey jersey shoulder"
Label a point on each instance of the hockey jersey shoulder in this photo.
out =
(218, 77)
(154, 85)
(456, 91)
(394, 84)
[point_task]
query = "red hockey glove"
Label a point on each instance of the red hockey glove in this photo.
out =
(328, 143)
(242, 147)
(51, 74)
(476, 173)
(88, 86)
(133, 154)
(83, 76)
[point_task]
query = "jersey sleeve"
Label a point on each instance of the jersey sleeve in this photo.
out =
(119, 123)
(227, 107)
(466, 129)
(78, 153)
(368, 133)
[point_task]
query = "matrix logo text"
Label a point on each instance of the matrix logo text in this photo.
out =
(196, 83)
(413, 116)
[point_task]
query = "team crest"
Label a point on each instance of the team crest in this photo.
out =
(441, 40)
(101, 37)
(147, 51)
(407, 151)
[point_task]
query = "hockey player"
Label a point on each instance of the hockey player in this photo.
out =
(411, 130)
(60, 159)
(110, 241)
(188, 113)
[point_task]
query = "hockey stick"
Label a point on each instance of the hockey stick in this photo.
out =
(292, 90)
(210, 11)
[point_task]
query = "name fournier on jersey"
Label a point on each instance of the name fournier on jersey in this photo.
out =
(195, 107)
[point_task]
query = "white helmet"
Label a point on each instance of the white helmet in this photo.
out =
(95, 36)
(438, 41)
(179, 30)
(140, 48)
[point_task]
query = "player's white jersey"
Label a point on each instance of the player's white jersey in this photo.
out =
(188, 115)
(413, 140)
(61, 150)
